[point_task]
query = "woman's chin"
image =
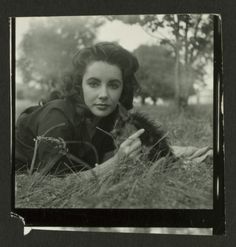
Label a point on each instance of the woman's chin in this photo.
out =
(101, 113)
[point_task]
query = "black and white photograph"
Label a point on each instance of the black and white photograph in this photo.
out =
(113, 112)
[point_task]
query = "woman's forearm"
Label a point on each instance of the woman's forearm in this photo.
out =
(101, 169)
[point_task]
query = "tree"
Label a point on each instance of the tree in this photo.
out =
(155, 75)
(191, 39)
(192, 45)
(47, 49)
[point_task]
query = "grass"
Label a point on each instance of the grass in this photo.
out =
(129, 186)
(193, 127)
(135, 184)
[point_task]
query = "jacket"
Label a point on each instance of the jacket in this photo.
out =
(60, 119)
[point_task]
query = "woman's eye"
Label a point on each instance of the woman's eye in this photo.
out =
(114, 85)
(93, 83)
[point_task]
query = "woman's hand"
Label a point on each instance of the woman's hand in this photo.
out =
(128, 149)
(131, 147)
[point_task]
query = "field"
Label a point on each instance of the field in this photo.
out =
(185, 184)
(192, 127)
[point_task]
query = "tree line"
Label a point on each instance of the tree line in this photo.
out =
(168, 70)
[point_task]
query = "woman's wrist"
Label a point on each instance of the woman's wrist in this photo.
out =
(100, 169)
(105, 166)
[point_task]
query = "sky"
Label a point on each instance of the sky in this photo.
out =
(130, 37)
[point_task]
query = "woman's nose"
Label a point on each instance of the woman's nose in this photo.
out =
(103, 93)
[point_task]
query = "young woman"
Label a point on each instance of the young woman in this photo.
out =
(98, 90)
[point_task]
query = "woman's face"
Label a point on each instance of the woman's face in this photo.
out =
(102, 86)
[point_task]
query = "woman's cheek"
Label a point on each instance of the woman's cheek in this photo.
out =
(91, 94)
(116, 94)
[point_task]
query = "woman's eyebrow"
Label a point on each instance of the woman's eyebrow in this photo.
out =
(93, 78)
(111, 80)
(115, 80)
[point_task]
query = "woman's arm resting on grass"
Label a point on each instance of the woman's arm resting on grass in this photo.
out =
(128, 148)
(101, 169)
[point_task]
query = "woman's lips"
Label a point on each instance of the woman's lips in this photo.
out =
(102, 106)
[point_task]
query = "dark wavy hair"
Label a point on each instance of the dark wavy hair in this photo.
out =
(111, 53)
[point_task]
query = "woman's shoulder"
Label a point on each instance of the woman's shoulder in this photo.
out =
(60, 107)
(65, 107)
(59, 103)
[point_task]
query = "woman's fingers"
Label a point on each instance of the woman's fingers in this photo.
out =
(126, 151)
(133, 137)
(136, 134)
(135, 153)
(134, 146)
